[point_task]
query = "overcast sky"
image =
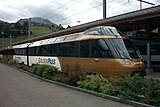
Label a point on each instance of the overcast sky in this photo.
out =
(66, 12)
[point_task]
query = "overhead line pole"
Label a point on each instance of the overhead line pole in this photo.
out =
(10, 39)
(29, 28)
(149, 68)
(140, 4)
(104, 9)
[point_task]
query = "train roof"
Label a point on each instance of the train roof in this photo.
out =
(86, 35)
(92, 33)
(21, 45)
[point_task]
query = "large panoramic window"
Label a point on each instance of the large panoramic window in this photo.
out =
(111, 31)
(20, 51)
(100, 49)
(85, 48)
(124, 48)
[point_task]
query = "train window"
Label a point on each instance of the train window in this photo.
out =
(15, 51)
(84, 48)
(94, 31)
(32, 51)
(111, 31)
(66, 49)
(71, 37)
(100, 49)
(46, 50)
(60, 49)
(69, 49)
(124, 48)
(43, 50)
(54, 49)
(24, 51)
(60, 39)
(103, 30)
(7, 52)
(19, 51)
(51, 40)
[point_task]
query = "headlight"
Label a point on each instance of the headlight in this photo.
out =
(126, 61)
(138, 63)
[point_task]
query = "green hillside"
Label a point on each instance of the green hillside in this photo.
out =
(39, 30)
(6, 41)
(36, 31)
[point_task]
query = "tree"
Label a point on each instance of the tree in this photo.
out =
(68, 26)
(25, 26)
(18, 26)
(60, 27)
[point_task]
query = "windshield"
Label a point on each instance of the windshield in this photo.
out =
(124, 48)
(112, 31)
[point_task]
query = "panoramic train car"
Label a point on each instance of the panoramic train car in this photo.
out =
(102, 50)
(6, 52)
(21, 53)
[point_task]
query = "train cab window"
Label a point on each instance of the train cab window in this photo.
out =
(100, 49)
(124, 48)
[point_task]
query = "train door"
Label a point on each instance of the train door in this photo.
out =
(96, 57)
(104, 62)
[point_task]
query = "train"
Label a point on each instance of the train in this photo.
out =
(100, 50)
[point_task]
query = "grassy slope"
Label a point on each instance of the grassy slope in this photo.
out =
(37, 31)
(6, 41)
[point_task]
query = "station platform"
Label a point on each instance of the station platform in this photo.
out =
(154, 74)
